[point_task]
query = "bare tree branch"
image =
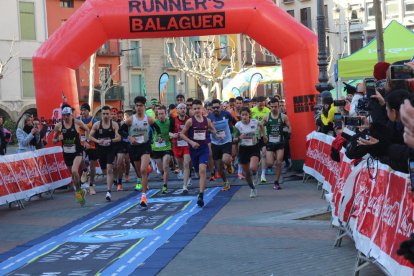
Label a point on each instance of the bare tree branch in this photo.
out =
(3, 64)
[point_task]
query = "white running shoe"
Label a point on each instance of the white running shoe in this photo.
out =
(108, 196)
(180, 175)
(85, 186)
(263, 179)
(253, 193)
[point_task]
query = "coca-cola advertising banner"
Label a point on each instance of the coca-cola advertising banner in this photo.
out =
(26, 174)
(375, 200)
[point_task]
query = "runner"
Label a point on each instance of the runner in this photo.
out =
(67, 131)
(197, 130)
(105, 134)
(275, 122)
(161, 146)
(89, 146)
(246, 134)
(221, 144)
(140, 138)
(258, 112)
(122, 157)
(180, 147)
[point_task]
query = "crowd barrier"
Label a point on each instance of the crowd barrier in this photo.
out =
(369, 199)
(24, 175)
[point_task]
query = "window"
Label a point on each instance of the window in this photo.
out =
(135, 54)
(409, 7)
(66, 3)
(223, 46)
(169, 52)
(370, 11)
(356, 44)
(27, 21)
(305, 17)
(104, 73)
(171, 90)
(391, 9)
(291, 12)
(137, 86)
(27, 78)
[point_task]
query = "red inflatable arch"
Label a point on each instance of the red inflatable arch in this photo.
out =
(97, 21)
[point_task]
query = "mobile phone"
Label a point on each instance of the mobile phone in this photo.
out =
(339, 103)
(353, 121)
(338, 120)
(411, 171)
(369, 87)
(401, 72)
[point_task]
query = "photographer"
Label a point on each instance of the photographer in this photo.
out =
(325, 119)
(26, 133)
(41, 129)
(359, 94)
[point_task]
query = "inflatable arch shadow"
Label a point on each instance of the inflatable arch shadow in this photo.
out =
(96, 21)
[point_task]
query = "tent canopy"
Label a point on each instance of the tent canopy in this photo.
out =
(398, 44)
(240, 83)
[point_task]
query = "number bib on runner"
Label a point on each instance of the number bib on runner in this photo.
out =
(247, 142)
(69, 149)
(274, 139)
(139, 139)
(106, 142)
(199, 135)
(160, 145)
(181, 143)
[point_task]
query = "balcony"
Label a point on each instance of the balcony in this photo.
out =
(109, 49)
(115, 93)
(261, 59)
(288, 1)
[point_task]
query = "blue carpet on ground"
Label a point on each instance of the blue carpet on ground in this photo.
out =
(123, 239)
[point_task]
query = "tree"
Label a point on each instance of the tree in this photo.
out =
(3, 64)
(106, 82)
(202, 61)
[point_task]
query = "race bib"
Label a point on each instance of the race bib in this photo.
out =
(286, 129)
(182, 143)
(69, 149)
(160, 145)
(221, 134)
(139, 139)
(199, 135)
(274, 139)
(247, 142)
(106, 142)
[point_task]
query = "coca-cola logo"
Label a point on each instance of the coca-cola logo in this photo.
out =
(62, 165)
(31, 172)
(53, 167)
(374, 205)
(406, 226)
(20, 175)
(326, 160)
(360, 195)
(390, 212)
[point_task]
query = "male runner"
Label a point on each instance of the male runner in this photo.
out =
(221, 144)
(161, 145)
(67, 131)
(275, 122)
(258, 113)
(195, 133)
(180, 147)
(139, 126)
(89, 146)
(122, 157)
(105, 134)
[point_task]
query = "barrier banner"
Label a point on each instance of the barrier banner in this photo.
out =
(26, 174)
(375, 200)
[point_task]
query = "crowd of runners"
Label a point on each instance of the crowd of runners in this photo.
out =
(189, 137)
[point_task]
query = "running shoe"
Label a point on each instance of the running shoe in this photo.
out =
(240, 176)
(85, 186)
(92, 190)
(253, 193)
(164, 189)
(230, 168)
(108, 196)
(180, 175)
(119, 187)
(212, 178)
(263, 179)
(185, 191)
(143, 200)
(218, 175)
(80, 196)
(276, 185)
(138, 186)
(226, 186)
(200, 201)
(84, 177)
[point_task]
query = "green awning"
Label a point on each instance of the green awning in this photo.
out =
(398, 43)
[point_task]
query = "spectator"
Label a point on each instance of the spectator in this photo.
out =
(26, 133)
(39, 141)
(325, 120)
(359, 94)
(407, 117)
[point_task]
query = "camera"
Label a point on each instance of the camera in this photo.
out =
(401, 72)
(369, 87)
(353, 121)
(339, 102)
(363, 106)
(338, 120)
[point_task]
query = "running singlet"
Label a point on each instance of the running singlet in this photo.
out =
(257, 114)
(198, 131)
(177, 128)
(71, 142)
(249, 130)
(274, 129)
(107, 134)
(140, 130)
(89, 123)
(221, 123)
(165, 135)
